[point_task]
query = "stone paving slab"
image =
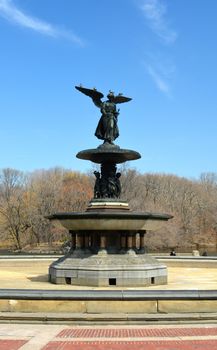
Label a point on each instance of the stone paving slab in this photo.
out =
(57, 337)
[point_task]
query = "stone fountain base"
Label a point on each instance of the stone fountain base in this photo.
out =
(108, 247)
(103, 270)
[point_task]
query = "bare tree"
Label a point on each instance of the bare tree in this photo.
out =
(13, 191)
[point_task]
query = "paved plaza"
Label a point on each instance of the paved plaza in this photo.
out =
(56, 337)
(28, 274)
(33, 274)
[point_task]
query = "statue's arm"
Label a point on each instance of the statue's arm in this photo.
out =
(117, 112)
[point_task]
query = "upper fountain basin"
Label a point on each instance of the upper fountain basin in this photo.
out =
(108, 153)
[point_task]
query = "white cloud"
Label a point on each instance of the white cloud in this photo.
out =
(10, 12)
(160, 82)
(155, 12)
(161, 70)
(159, 66)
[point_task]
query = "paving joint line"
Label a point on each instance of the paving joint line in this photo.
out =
(41, 338)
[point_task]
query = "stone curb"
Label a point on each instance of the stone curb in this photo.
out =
(32, 294)
(81, 318)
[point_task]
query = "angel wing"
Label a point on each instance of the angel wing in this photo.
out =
(93, 93)
(121, 99)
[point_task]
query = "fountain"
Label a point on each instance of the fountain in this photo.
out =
(108, 239)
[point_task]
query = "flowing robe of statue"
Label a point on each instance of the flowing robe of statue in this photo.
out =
(107, 128)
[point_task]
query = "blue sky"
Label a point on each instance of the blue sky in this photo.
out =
(162, 53)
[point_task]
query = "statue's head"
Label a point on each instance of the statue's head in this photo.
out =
(110, 95)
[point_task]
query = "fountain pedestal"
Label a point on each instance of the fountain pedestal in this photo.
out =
(108, 247)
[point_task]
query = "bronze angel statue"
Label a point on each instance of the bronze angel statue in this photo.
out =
(107, 128)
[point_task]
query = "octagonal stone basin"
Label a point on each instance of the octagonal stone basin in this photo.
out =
(111, 221)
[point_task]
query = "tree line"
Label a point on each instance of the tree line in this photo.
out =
(27, 198)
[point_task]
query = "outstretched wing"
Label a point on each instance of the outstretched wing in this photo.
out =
(121, 99)
(93, 93)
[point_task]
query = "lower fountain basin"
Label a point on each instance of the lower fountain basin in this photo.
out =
(111, 221)
(104, 251)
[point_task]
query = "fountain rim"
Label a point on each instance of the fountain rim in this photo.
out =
(112, 154)
(106, 215)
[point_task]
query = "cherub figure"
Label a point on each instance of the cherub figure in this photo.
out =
(97, 187)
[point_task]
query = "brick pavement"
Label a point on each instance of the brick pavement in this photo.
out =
(15, 344)
(135, 332)
(62, 337)
(137, 345)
